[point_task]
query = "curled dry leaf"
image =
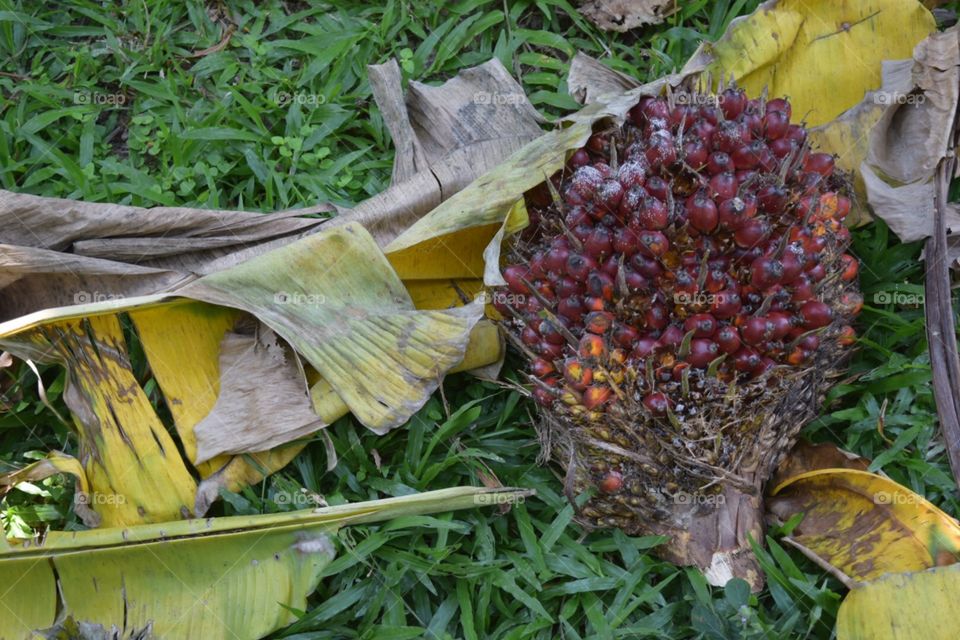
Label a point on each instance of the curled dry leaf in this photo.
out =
(56, 252)
(624, 15)
(806, 457)
(863, 524)
(55, 463)
(332, 296)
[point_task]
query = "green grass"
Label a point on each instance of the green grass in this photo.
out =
(215, 131)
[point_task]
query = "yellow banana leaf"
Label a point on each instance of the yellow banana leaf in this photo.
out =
(233, 578)
(823, 54)
(862, 524)
(903, 606)
(333, 296)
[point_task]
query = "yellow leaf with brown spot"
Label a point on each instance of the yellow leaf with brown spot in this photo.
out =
(903, 606)
(863, 524)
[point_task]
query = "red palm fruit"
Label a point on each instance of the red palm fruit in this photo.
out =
(797, 133)
(782, 324)
(775, 124)
(542, 368)
(851, 302)
(643, 347)
(681, 114)
(797, 357)
(782, 147)
(529, 336)
(611, 482)
(703, 325)
(702, 352)
(772, 198)
(591, 346)
(609, 195)
(710, 114)
(537, 269)
(719, 162)
(802, 289)
(813, 245)
(723, 185)
(582, 231)
(594, 304)
(578, 375)
(575, 215)
(599, 244)
(732, 102)
(730, 135)
(544, 397)
(655, 108)
(843, 206)
(780, 104)
(533, 305)
(726, 304)
(702, 130)
(662, 150)
(600, 285)
(728, 339)
(653, 243)
(671, 337)
(597, 143)
(821, 163)
(656, 317)
(632, 200)
(815, 314)
(617, 357)
(611, 266)
(765, 272)
(579, 266)
(748, 156)
(549, 350)
(702, 212)
(550, 331)
(746, 360)
(635, 281)
(579, 158)
(695, 153)
(792, 260)
(752, 232)
(757, 330)
(567, 286)
(753, 123)
(656, 403)
(850, 267)
(809, 342)
(555, 259)
(625, 241)
(731, 213)
(596, 396)
(652, 214)
(847, 336)
(817, 272)
(632, 173)
(624, 335)
(571, 308)
(585, 181)
(658, 188)
(515, 276)
(598, 322)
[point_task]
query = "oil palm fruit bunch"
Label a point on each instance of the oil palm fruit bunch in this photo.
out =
(683, 297)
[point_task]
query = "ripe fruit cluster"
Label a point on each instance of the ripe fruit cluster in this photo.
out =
(697, 246)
